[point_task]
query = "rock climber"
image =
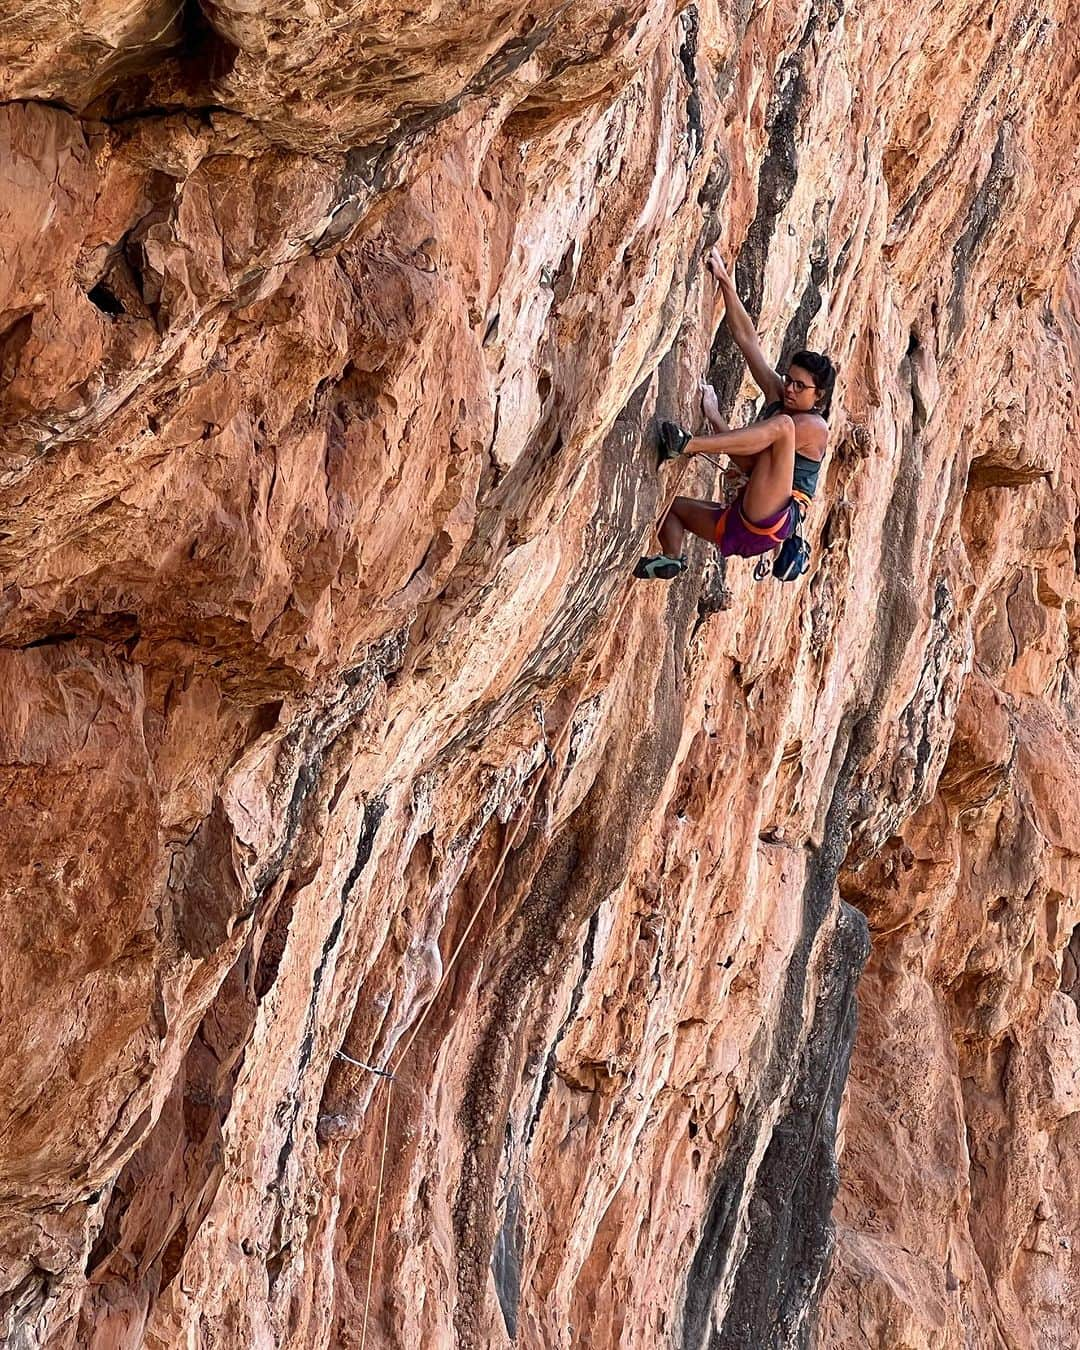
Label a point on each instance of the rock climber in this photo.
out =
(781, 452)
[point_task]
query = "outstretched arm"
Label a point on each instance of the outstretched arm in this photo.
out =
(742, 329)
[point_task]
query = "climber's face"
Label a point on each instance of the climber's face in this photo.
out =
(800, 392)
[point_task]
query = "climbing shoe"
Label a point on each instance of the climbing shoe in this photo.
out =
(660, 568)
(673, 440)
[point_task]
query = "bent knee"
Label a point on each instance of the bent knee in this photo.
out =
(785, 426)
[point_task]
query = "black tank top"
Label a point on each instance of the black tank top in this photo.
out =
(806, 469)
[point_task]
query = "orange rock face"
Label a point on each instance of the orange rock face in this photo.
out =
(335, 736)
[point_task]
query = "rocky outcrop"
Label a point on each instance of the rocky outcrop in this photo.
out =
(337, 741)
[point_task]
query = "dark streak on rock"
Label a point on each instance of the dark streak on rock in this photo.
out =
(739, 17)
(841, 257)
(776, 182)
(369, 825)
(718, 1249)
(912, 717)
(983, 214)
(575, 1001)
(208, 901)
(791, 1237)
(506, 1262)
(718, 1245)
(372, 169)
(52, 640)
(688, 60)
(1001, 52)
(712, 192)
(809, 305)
(561, 884)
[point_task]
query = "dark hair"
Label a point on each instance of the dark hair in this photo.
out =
(823, 371)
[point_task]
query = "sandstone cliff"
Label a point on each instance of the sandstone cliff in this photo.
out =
(332, 340)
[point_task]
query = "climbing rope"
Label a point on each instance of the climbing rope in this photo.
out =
(392, 1070)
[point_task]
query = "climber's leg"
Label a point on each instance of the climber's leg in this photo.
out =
(747, 441)
(688, 514)
(742, 447)
(772, 473)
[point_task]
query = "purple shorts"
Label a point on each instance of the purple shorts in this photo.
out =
(747, 538)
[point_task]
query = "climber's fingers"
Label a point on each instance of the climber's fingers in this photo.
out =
(715, 263)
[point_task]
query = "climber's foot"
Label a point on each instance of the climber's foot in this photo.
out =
(660, 568)
(673, 441)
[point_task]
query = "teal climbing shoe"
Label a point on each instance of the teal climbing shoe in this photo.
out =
(673, 440)
(660, 568)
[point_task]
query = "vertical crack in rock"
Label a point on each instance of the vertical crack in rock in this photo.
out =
(795, 335)
(575, 1002)
(369, 825)
(917, 721)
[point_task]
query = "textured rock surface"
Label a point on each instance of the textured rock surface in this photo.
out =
(331, 344)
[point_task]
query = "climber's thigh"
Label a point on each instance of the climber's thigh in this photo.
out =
(769, 488)
(697, 516)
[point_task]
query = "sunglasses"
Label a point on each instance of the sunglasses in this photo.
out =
(797, 384)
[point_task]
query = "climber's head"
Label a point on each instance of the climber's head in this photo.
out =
(808, 384)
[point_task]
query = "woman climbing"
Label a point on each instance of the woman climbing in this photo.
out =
(781, 452)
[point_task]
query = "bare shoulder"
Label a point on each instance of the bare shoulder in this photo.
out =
(811, 434)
